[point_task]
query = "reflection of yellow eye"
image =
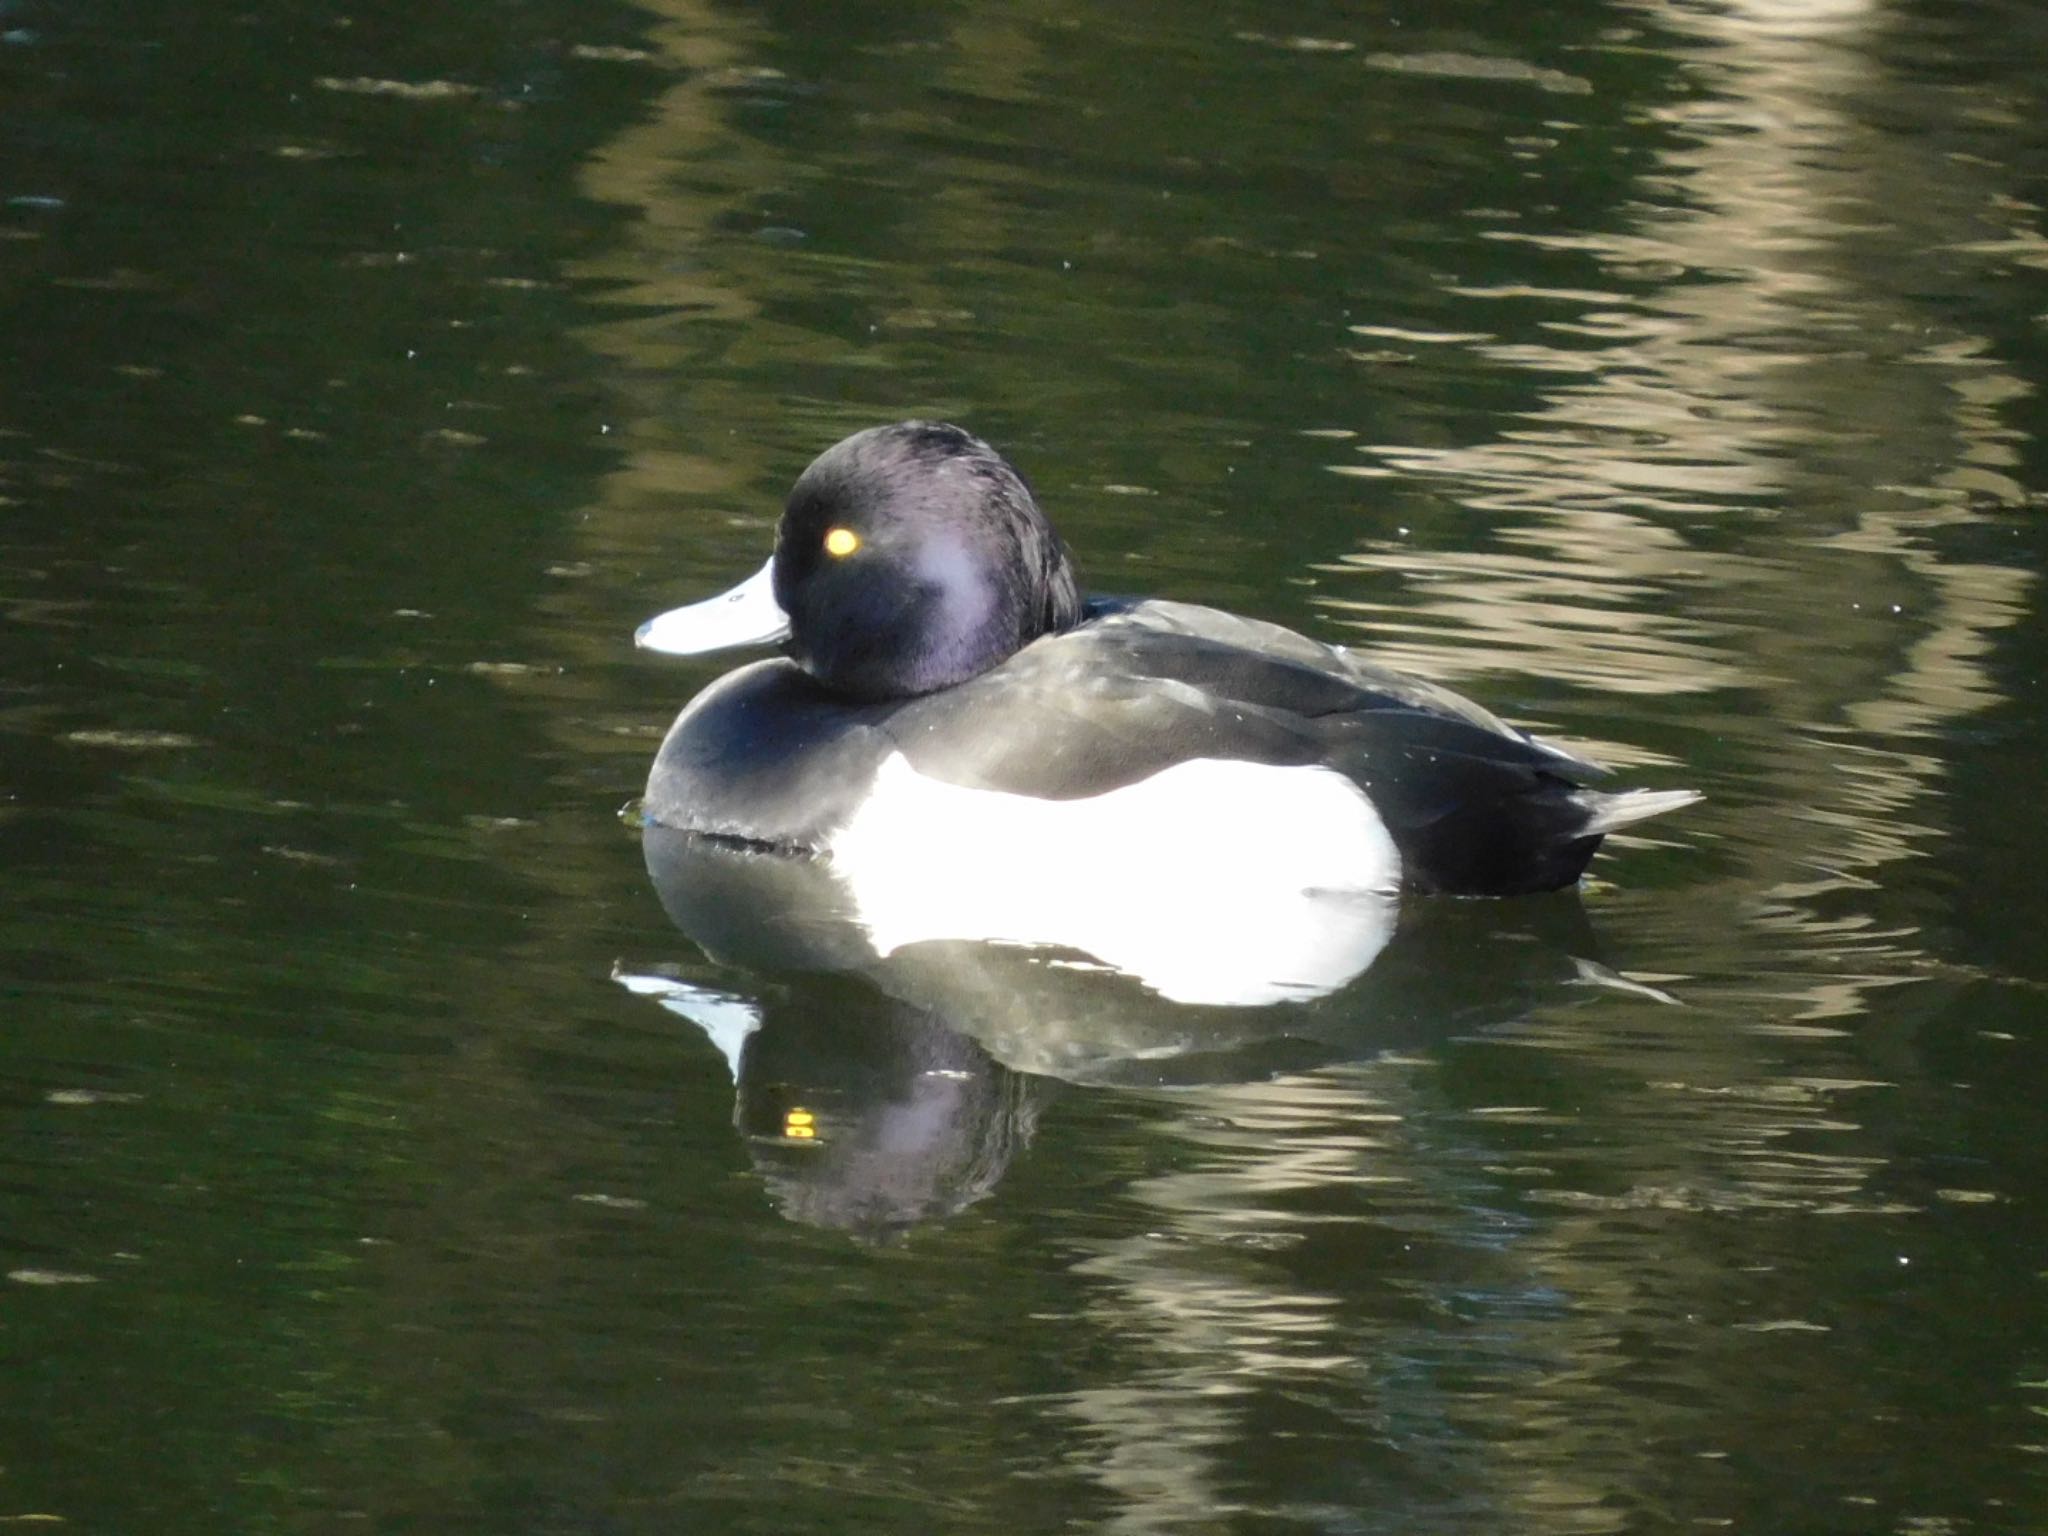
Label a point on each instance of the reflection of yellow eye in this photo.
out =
(841, 541)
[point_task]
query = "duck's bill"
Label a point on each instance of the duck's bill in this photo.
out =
(747, 615)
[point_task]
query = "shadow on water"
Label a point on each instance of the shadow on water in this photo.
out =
(881, 1086)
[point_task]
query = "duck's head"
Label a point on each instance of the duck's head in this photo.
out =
(909, 558)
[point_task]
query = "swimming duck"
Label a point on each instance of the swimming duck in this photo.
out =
(945, 681)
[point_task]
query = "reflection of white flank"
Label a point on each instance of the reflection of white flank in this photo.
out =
(726, 1020)
(1212, 882)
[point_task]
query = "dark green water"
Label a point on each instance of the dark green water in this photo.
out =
(1667, 375)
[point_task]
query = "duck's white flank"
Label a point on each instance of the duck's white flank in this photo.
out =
(1212, 881)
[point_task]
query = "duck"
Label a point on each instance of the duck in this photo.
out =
(943, 681)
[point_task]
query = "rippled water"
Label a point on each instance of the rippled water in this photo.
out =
(389, 1140)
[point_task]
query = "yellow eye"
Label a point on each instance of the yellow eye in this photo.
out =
(800, 1125)
(841, 541)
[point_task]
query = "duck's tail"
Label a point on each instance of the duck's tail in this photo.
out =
(1611, 810)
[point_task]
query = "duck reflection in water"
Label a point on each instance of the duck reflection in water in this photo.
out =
(860, 1112)
(879, 1091)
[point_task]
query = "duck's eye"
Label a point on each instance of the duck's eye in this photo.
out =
(840, 542)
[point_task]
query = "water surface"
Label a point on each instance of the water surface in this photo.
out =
(1667, 376)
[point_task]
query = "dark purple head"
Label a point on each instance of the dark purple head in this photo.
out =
(912, 557)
